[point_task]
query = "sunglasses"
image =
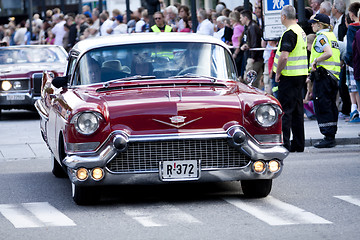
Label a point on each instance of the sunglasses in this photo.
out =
(157, 18)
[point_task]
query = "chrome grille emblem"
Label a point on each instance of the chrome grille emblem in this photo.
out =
(177, 119)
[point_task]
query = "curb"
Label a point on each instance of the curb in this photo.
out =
(339, 141)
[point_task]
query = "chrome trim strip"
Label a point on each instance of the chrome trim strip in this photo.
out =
(146, 138)
(40, 109)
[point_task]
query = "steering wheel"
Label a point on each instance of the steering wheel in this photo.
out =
(191, 69)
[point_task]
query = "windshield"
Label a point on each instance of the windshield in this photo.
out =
(160, 60)
(46, 54)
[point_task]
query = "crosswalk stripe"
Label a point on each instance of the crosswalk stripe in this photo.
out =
(350, 199)
(275, 212)
(48, 214)
(19, 217)
(159, 215)
(33, 215)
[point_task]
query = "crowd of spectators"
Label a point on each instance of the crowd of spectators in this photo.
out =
(240, 29)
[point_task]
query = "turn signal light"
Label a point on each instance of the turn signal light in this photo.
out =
(97, 174)
(82, 174)
(274, 166)
(259, 166)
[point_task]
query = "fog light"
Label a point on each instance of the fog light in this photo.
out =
(82, 174)
(6, 85)
(97, 174)
(274, 166)
(259, 166)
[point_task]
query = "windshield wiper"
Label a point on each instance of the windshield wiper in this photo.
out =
(191, 75)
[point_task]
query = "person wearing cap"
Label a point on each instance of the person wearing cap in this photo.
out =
(121, 27)
(291, 68)
(160, 25)
(325, 71)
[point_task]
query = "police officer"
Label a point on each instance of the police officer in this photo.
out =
(325, 70)
(291, 68)
(160, 25)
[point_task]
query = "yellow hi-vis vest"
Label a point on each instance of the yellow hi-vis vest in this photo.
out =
(331, 64)
(157, 29)
(297, 64)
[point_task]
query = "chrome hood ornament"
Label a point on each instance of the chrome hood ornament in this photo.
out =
(176, 120)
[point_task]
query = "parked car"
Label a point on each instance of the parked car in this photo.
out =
(21, 69)
(155, 108)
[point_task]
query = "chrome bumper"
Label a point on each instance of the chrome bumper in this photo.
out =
(107, 152)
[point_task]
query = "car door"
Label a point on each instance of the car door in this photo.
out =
(56, 110)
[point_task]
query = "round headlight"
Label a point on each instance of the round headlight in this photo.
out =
(17, 85)
(266, 115)
(87, 123)
(6, 85)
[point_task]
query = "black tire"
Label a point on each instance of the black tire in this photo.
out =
(256, 188)
(83, 195)
(57, 169)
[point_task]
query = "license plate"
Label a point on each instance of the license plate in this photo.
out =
(179, 170)
(15, 97)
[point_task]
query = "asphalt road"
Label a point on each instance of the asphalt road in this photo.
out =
(316, 197)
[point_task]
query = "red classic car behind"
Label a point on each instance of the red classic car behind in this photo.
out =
(155, 108)
(21, 70)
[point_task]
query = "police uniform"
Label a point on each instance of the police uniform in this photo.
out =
(290, 87)
(155, 28)
(325, 85)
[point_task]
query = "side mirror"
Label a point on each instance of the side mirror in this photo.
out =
(250, 77)
(59, 82)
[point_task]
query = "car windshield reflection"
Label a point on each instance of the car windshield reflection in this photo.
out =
(161, 61)
(20, 55)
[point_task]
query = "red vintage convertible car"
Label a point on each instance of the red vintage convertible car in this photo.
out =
(156, 108)
(21, 70)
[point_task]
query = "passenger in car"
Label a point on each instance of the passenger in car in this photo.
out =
(113, 69)
(141, 66)
(94, 71)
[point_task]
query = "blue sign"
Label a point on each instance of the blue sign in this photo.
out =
(276, 5)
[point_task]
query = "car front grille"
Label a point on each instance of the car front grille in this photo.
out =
(145, 156)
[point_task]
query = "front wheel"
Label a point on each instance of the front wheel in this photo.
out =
(256, 188)
(85, 195)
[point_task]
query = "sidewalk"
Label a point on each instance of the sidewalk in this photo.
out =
(347, 133)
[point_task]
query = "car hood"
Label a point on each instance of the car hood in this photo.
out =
(177, 110)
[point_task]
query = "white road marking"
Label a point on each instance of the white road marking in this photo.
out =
(159, 215)
(275, 212)
(19, 217)
(32, 215)
(48, 214)
(350, 199)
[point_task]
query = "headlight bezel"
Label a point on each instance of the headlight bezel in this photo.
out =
(272, 109)
(87, 115)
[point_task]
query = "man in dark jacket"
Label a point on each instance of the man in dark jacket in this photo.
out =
(252, 39)
(353, 27)
(338, 12)
(70, 22)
